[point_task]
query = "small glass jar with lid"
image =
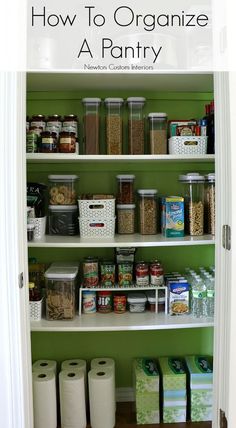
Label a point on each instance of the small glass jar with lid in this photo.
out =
(70, 123)
(125, 218)
(49, 142)
(54, 123)
(147, 211)
(194, 202)
(157, 133)
(91, 125)
(114, 125)
(38, 120)
(136, 125)
(67, 142)
(210, 203)
(125, 183)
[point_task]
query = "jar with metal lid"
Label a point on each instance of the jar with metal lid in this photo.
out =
(125, 274)
(89, 301)
(147, 211)
(90, 272)
(142, 273)
(54, 123)
(136, 125)
(119, 303)
(125, 193)
(210, 203)
(67, 142)
(157, 133)
(104, 301)
(70, 123)
(114, 125)
(194, 202)
(48, 142)
(156, 273)
(125, 218)
(91, 125)
(107, 268)
(39, 121)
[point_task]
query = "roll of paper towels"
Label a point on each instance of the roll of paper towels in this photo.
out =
(74, 364)
(103, 363)
(72, 399)
(44, 399)
(45, 365)
(102, 398)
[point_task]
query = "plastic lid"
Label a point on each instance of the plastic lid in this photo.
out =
(210, 177)
(63, 207)
(114, 100)
(136, 298)
(192, 177)
(65, 265)
(62, 177)
(125, 177)
(136, 100)
(91, 100)
(61, 273)
(157, 115)
(146, 192)
(30, 226)
(125, 206)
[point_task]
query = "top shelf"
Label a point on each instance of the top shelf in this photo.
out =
(72, 157)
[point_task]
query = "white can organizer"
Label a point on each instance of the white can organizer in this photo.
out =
(100, 208)
(96, 228)
(187, 145)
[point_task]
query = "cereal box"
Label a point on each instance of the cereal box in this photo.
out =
(179, 297)
(172, 216)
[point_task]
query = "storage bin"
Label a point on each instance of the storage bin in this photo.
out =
(187, 145)
(39, 227)
(62, 189)
(114, 125)
(125, 218)
(194, 202)
(147, 211)
(137, 302)
(97, 208)
(125, 188)
(96, 228)
(35, 309)
(136, 125)
(60, 293)
(91, 125)
(63, 220)
(210, 203)
(157, 133)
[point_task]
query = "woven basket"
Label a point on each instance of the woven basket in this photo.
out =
(40, 227)
(96, 228)
(35, 309)
(101, 208)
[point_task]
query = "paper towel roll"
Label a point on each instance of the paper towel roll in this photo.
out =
(45, 365)
(44, 399)
(74, 364)
(103, 363)
(72, 399)
(102, 398)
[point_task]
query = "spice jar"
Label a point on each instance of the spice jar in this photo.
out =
(119, 303)
(194, 202)
(125, 194)
(67, 142)
(136, 125)
(104, 302)
(89, 302)
(142, 274)
(210, 203)
(158, 133)
(147, 211)
(70, 123)
(125, 274)
(38, 120)
(156, 273)
(54, 123)
(90, 272)
(114, 125)
(48, 142)
(91, 125)
(107, 273)
(125, 218)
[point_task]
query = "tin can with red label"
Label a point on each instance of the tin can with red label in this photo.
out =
(156, 273)
(119, 303)
(142, 273)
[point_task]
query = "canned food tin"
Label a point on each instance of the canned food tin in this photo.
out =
(90, 271)
(104, 302)
(156, 273)
(119, 303)
(125, 274)
(107, 274)
(89, 302)
(142, 273)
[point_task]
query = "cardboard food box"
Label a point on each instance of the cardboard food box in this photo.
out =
(172, 218)
(178, 297)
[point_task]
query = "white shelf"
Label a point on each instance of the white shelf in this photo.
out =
(122, 322)
(72, 157)
(135, 240)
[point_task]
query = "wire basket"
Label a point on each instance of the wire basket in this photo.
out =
(100, 208)
(36, 310)
(96, 228)
(188, 145)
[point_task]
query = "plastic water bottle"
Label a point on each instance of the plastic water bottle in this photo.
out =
(210, 296)
(199, 297)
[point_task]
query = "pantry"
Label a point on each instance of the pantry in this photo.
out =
(134, 335)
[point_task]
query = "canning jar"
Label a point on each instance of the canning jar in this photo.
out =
(67, 142)
(48, 142)
(114, 126)
(90, 272)
(147, 211)
(125, 274)
(194, 202)
(107, 273)
(125, 184)
(91, 125)
(157, 133)
(119, 303)
(70, 123)
(210, 203)
(142, 273)
(125, 218)
(136, 125)
(89, 301)
(104, 301)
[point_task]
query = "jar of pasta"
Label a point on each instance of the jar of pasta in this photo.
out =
(114, 125)
(147, 211)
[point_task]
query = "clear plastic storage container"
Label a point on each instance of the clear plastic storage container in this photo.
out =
(194, 202)
(137, 302)
(114, 125)
(136, 125)
(63, 220)
(60, 293)
(147, 211)
(62, 189)
(125, 193)
(157, 133)
(210, 203)
(91, 125)
(125, 218)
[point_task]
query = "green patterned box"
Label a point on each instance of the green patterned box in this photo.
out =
(200, 371)
(201, 414)
(201, 397)
(173, 373)
(174, 414)
(174, 398)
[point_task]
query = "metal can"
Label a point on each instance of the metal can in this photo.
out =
(119, 303)
(107, 273)
(125, 274)
(156, 273)
(142, 273)
(104, 303)
(89, 302)
(90, 272)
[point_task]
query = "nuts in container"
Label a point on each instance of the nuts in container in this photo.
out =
(125, 218)
(62, 189)
(147, 211)
(194, 202)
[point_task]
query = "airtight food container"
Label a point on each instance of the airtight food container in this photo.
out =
(194, 202)
(136, 124)
(136, 302)
(60, 293)
(63, 220)
(114, 125)
(62, 189)
(91, 125)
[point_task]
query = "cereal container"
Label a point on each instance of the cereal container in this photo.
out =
(158, 133)
(194, 202)
(125, 188)
(136, 125)
(147, 211)
(91, 125)
(125, 218)
(114, 125)
(62, 189)
(60, 293)
(210, 203)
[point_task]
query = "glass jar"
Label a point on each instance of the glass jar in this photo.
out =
(91, 125)
(125, 194)
(67, 142)
(54, 123)
(119, 303)
(104, 302)
(62, 189)
(147, 211)
(32, 139)
(136, 125)
(125, 218)
(90, 272)
(107, 273)
(210, 203)
(70, 123)
(158, 133)
(142, 274)
(194, 202)
(114, 125)
(38, 120)
(48, 142)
